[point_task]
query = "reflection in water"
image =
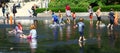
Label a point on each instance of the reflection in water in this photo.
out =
(68, 31)
(61, 32)
(99, 32)
(81, 44)
(36, 23)
(116, 32)
(17, 37)
(111, 38)
(55, 33)
(33, 45)
(91, 31)
(25, 22)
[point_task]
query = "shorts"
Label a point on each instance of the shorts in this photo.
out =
(99, 18)
(33, 45)
(91, 16)
(111, 21)
(68, 13)
(81, 33)
(56, 21)
(73, 18)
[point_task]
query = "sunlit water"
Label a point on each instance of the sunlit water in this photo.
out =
(62, 39)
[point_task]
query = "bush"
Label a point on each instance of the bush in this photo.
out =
(82, 9)
(40, 10)
(76, 9)
(107, 8)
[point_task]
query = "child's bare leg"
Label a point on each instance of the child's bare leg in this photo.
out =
(112, 27)
(84, 38)
(80, 39)
(108, 25)
(97, 23)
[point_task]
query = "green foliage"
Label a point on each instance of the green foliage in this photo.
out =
(73, 3)
(39, 10)
(77, 9)
(81, 9)
(81, 3)
(107, 8)
(73, 9)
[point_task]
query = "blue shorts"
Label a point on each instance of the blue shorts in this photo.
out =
(111, 21)
(81, 33)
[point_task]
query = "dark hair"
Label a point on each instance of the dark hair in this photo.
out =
(53, 13)
(73, 12)
(7, 6)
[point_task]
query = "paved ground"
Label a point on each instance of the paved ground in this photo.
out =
(47, 16)
(23, 13)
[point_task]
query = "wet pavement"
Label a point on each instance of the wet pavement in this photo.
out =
(61, 39)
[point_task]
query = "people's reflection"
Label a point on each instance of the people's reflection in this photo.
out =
(81, 44)
(116, 32)
(55, 33)
(91, 30)
(36, 23)
(33, 44)
(99, 32)
(68, 31)
(111, 38)
(61, 32)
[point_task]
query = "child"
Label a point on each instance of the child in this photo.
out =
(32, 34)
(18, 29)
(68, 20)
(90, 10)
(32, 38)
(68, 13)
(98, 13)
(80, 26)
(61, 18)
(55, 18)
(111, 18)
(74, 16)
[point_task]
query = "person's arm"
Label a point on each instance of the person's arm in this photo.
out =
(30, 34)
(75, 26)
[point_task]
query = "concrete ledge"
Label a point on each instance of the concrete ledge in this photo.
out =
(78, 14)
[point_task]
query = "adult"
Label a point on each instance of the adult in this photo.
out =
(14, 10)
(34, 7)
(7, 13)
(90, 10)
(3, 9)
(98, 14)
